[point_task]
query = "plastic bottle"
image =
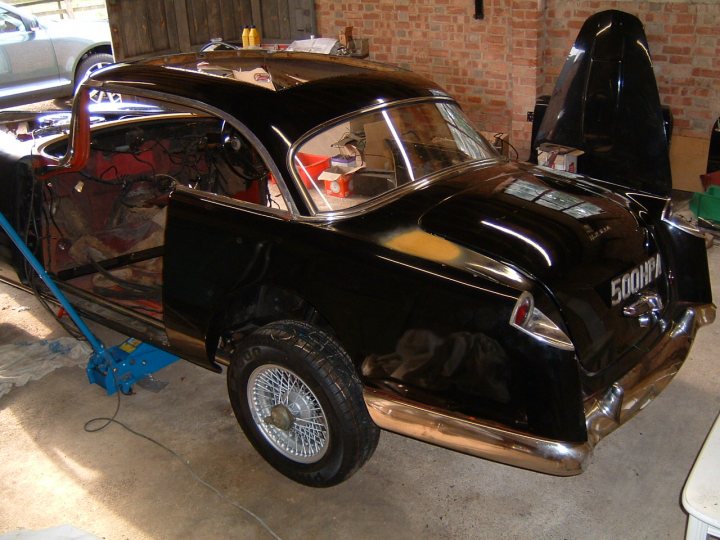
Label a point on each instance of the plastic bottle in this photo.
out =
(254, 37)
(246, 37)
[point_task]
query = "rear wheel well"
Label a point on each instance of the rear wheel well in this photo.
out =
(253, 308)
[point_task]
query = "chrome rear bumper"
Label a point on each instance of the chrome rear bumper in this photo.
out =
(644, 382)
(493, 441)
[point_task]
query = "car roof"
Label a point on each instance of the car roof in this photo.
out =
(310, 88)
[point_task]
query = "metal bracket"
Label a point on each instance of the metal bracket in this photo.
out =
(646, 309)
(479, 9)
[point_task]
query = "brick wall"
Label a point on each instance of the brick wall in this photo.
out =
(684, 40)
(477, 61)
(495, 67)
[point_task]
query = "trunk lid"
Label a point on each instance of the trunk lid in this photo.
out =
(590, 247)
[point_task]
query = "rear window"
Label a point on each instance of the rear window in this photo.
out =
(362, 158)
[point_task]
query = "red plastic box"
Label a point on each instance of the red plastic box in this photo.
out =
(310, 166)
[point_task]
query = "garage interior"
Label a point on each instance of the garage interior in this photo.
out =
(192, 474)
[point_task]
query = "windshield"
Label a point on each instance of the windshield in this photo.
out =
(368, 155)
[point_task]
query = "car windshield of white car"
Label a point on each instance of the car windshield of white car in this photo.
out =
(366, 156)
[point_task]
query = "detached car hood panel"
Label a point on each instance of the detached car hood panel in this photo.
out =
(572, 236)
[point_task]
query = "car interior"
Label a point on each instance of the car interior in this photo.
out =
(104, 225)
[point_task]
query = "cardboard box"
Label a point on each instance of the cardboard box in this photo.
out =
(561, 158)
(338, 180)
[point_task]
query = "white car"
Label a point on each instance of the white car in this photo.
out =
(47, 60)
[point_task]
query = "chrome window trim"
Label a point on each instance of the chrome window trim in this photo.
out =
(388, 196)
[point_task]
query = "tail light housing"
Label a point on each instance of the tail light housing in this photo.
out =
(527, 318)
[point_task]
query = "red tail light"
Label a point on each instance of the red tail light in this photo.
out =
(530, 320)
(523, 309)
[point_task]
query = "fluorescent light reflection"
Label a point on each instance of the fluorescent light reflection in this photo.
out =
(645, 50)
(519, 236)
(282, 135)
(395, 135)
(603, 29)
(576, 53)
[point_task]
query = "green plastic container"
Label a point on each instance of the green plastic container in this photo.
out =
(707, 205)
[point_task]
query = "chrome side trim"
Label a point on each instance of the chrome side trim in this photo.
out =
(603, 414)
(476, 437)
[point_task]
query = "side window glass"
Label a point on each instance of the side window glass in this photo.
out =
(10, 23)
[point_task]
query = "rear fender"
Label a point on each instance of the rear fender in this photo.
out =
(682, 246)
(686, 257)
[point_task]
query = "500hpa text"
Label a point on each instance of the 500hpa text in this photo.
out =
(623, 287)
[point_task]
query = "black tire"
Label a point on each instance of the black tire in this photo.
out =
(89, 65)
(317, 378)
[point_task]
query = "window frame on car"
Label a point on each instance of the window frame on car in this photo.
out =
(392, 194)
(80, 136)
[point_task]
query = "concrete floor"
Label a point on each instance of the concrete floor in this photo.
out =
(119, 486)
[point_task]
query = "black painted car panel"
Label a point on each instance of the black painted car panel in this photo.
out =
(210, 229)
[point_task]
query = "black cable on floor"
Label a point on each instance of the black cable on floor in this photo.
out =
(112, 420)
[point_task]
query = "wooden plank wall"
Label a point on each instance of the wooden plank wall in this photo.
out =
(209, 19)
(142, 28)
(166, 26)
(292, 19)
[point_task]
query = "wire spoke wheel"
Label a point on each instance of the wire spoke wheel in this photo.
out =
(299, 400)
(288, 413)
(101, 96)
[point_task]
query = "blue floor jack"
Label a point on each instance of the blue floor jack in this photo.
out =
(114, 368)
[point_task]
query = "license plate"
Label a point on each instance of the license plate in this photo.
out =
(623, 287)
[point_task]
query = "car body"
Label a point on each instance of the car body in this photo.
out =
(337, 232)
(46, 60)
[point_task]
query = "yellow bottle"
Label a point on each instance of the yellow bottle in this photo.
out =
(246, 37)
(254, 37)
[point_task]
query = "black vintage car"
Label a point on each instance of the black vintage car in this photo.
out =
(339, 235)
